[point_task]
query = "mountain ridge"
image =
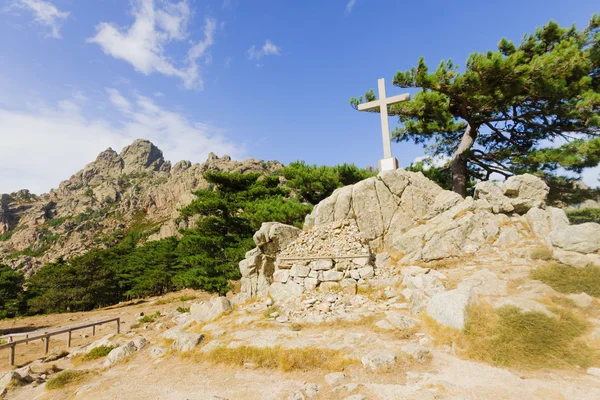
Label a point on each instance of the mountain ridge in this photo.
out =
(117, 191)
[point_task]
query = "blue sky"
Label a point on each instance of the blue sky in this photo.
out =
(262, 79)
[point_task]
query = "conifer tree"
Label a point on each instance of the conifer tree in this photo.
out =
(504, 110)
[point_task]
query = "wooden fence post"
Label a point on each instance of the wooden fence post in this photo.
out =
(46, 344)
(118, 325)
(69, 340)
(11, 355)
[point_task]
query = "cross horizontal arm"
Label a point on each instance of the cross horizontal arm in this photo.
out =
(372, 105)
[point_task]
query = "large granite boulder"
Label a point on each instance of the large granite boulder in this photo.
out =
(517, 194)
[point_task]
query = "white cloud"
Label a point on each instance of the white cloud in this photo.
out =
(44, 13)
(267, 49)
(350, 6)
(143, 44)
(43, 145)
(117, 100)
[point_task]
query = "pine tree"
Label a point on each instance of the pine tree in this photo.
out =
(503, 111)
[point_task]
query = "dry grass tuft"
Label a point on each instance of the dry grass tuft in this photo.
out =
(509, 337)
(303, 359)
(65, 378)
(567, 279)
(541, 253)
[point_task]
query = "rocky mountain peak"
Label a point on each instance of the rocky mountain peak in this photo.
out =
(142, 154)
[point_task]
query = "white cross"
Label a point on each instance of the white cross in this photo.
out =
(382, 104)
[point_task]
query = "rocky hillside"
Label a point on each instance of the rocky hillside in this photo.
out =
(136, 189)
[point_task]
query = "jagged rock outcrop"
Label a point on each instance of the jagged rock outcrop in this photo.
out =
(259, 265)
(409, 215)
(413, 219)
(98, 203)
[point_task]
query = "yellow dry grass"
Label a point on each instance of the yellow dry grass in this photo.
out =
(303, 359)
(509, 337)
(541, 253)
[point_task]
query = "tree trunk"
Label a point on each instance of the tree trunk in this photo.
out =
(459, 161)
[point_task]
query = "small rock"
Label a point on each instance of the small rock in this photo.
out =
(332, 276)
(593, 371)
(582, 300)
(332, 298)
(378, 359)
(140, 342)
(384, 324)
(416, 351)
(282, 319)
(311, 390)
(323, 307)
(119, 353)
(157, 351)
(281, 275)
(187, 341)
(357, 397)
(366, 272)
(297, 396)
(335, 378)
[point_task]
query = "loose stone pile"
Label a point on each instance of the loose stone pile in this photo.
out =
(341, 238)
(330, 257)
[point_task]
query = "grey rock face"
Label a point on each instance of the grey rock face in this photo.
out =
(209, 311)
(120, 353)
(186, 341)
(450, 308)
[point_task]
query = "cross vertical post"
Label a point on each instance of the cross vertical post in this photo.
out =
(385, 127)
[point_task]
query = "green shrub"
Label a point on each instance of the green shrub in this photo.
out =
(183, 309)
(54, 222)
(187, 298)
(567, 279)
(315, 183)
(147, 319)
(98, 352)
(584, 215)
(7, 235)
(11, 292)
(65, 378)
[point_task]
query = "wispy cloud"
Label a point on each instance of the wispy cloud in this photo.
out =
(39, 141)
(350, 6)
(144, 43)
(44, 13)
(267, 49)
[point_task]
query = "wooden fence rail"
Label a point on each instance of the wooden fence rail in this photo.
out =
(45, 336)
